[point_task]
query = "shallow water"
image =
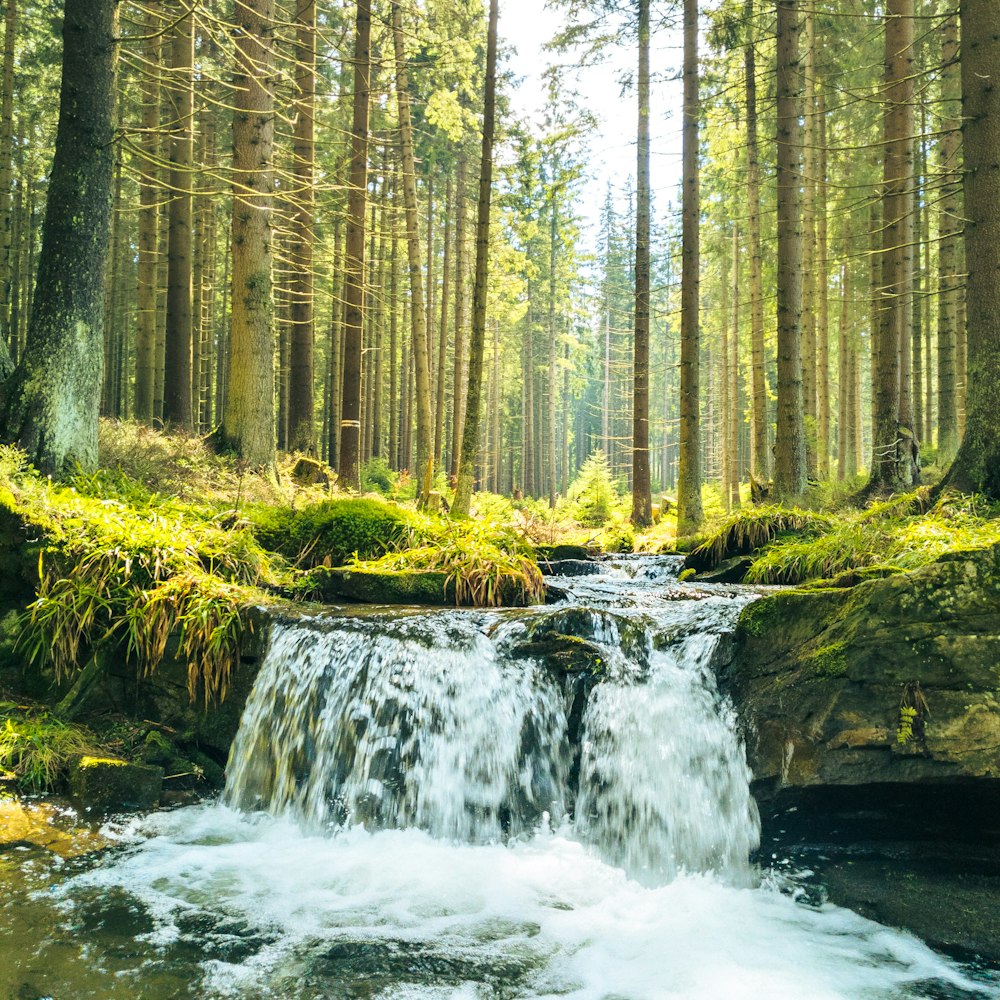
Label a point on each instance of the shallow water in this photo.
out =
(403, 820)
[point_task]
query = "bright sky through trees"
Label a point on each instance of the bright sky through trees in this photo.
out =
(527, 27)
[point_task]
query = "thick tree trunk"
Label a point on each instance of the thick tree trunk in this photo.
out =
(177, 409)
(418, 318)
(977, 466)
(642, 501)
(809, 173)
(760, 463)
(689, 508)
(301, 405)
(477, 344)
(894, 458)
(354, 258)
(949, 235)
(790, 443)
(248, 422)
(50, 405)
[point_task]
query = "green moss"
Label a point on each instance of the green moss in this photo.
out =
(829, 661)
(895, 535)
(331, 532)
(87, 762)
(758, 616)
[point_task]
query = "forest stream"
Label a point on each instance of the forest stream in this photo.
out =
(419, 807)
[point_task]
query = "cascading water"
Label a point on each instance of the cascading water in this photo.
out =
(432, 806)
(413, 722)
(435, 723)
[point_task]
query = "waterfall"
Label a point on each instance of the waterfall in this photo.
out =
(447, 805)
(431, 721)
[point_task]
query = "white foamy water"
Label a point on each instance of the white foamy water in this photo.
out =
(418, 808)
(410, 915)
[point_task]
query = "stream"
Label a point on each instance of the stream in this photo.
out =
(419, 807)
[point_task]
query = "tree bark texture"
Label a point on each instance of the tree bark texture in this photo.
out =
(51, 403)
(477, 341)
(689, 507)
(301, 404)
(642, 501)
(977, 466)
(248, 423)
(354, 256)
(790, 443)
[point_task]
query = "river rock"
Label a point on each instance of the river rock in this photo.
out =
(892, 682)
(106, 785)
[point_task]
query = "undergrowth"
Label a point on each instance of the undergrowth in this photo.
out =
(115, 568)
(751, 528)
(901, 533)
(487, 564)
(36, 749)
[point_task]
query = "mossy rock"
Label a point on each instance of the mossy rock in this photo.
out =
(565, 654)
(818, 677)
(185, 767)
(384, 587)
(558, 553)
(108, 785)
(331, 532)
(309, 472)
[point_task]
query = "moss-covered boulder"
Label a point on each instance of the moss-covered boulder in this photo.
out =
(107, 785)
(560, 553)
(383, 587)
(564, 654)
(894, 681)
(330, 533)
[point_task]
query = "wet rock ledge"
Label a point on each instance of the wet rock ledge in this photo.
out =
(871, 717)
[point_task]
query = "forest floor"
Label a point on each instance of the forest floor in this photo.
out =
(168, 538)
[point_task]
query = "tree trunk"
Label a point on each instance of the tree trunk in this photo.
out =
(689, 508)
(976, 468)
(425, 427)
(442, 357)
(458, 409)
(760, 463)
(301, 405)
(477, 344)
(642, 501)
(894, 459)
(177, 374)
(51, 402)
(354, 262)
(550, 477)
(248, 423)
(809, 172)
(790, 443)
(145, 342)
(949, 235)
(822, 299)
(845, 435)
(6, 171)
